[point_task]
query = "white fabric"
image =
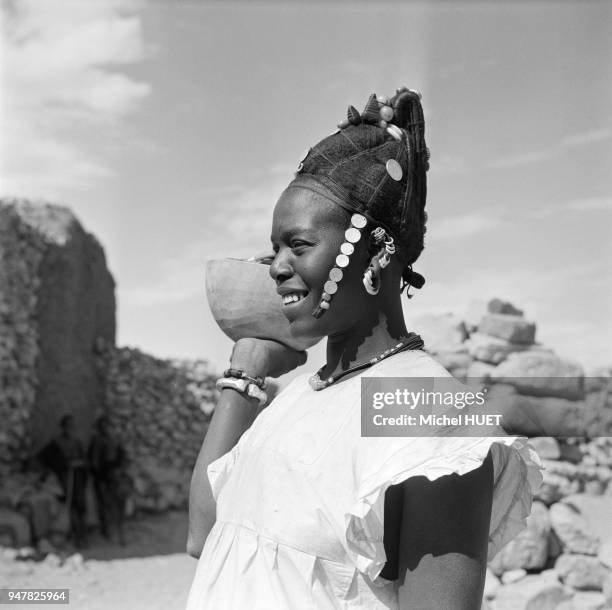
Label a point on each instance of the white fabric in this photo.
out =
(300, 499)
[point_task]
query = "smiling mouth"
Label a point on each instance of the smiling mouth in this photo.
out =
(294, 298)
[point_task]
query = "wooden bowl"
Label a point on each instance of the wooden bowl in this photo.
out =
(243, 300)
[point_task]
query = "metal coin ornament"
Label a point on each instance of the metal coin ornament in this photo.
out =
(330, 287)
(394, 169)
(352, 235)
(342, 260)
(335, 275)
(347, 248)
(359, 221)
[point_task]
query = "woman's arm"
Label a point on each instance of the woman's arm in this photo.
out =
(444, 540)
(233, 415)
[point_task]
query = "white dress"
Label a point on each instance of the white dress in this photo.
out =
(300, 499)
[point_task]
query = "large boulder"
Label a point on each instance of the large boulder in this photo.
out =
(555, 487)
(581, 572)
(547, 447)
(505, 307)
(456, 362)
(479, 371)
(585, 600)
(57, 301)
(573, 529)
(597, 512)
(531, 593)
(509, 327)
(529, 550)
(491, 349)
(536, 416)
(541, 373)
(441, 332)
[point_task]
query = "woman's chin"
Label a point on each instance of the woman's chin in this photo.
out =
(302, 328)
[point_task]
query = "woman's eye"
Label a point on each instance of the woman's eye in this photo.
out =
(298, 244)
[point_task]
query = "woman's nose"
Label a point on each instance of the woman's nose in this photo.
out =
(280, 268)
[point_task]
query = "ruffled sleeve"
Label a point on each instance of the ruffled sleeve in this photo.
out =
(516, 477)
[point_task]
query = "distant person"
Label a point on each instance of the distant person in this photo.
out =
(107, 461)
(40, 497)
(65, 456)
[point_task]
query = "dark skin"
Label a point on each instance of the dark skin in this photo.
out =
(435, 532)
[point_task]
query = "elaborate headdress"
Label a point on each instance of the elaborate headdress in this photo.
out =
(375, 167)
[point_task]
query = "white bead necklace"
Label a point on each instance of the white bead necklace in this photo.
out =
(413, 342)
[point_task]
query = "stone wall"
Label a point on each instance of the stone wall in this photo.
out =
(56, 299)
(159, 410)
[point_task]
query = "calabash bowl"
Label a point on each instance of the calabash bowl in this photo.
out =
(243, 300)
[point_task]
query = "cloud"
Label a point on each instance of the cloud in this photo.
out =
(590, 204)
(520, 159)
(458, 227)
(62, 84)
(447, 164)
(566, 143)
(238, 226)
(586, 204)
(587, 137)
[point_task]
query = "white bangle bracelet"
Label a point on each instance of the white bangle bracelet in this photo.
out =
(240, 385)
(243, 386)
(258, 393)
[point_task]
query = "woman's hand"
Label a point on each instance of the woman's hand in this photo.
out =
(265, 358)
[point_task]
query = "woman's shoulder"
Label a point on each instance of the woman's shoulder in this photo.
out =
(411, 363)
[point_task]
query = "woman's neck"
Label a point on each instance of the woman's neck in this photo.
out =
(368, 339)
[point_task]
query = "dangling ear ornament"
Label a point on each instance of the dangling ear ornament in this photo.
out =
(371, 281)
(385, 259)
(371, 277)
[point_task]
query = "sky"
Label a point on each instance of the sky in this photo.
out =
(172, 127)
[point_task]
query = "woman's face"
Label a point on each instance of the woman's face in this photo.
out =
(307, 231)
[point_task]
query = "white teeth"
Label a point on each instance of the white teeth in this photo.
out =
(292, 298)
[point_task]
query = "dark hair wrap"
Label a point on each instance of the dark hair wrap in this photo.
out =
(351, 165)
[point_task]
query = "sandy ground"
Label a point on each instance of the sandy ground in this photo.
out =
(151, 572)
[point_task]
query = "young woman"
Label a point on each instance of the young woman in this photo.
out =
(292, 508)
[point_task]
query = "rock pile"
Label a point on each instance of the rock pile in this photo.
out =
(159, 410)
(563, 559)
